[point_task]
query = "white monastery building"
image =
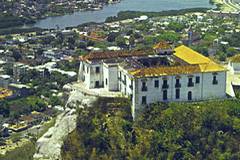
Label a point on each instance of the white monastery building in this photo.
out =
(163, 75)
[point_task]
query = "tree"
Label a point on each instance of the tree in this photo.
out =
(177, 27)
(231, 52)
(120, 41)
(131, 41)
(90, 43)
(82, 45)
(17, 55)
(112, 36)
(39, 53)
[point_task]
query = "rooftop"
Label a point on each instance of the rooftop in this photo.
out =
(113, 54)
(175, 70)
(190, 56)
(162, 45)
(196, 63)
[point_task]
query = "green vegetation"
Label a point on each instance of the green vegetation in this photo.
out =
(134, 14)
(18, 30)
(203, 130)
(12, 21)
(22, 153)
(15, 108)
(233, 39)
(26, 151)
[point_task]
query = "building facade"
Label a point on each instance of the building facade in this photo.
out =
(165, 75)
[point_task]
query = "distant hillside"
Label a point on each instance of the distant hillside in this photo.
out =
(7, 21)
(204, 130)
(122, 15)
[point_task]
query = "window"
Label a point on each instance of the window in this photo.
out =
(165, 85)
(106, 81)
(215, 81)
(125, 80)
(83, 67)
(177, 85)
(156, 84)
(144, 99)
(177, 81)
(197, 79)
(131, 85)
(144, 87)
(190, 82)
(165, 95)
(97, 69)
(177, 93)
(120, 75)
(131, 97)
(189, 95)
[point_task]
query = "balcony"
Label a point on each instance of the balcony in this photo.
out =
(190, 84)
(165, 86)
(144, 89)
(178, 85)
(215, 82)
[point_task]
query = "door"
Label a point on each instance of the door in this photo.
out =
(97, 85)
(165, 95)
(189, 95)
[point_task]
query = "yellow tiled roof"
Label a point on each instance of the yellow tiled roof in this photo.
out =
(164, 71)
(212, 67)
(190, 56)
(197, 63)
(175, 70)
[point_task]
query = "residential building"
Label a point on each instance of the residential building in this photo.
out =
(4, 81)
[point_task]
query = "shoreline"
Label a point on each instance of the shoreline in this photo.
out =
(120, 16)
(23, 21)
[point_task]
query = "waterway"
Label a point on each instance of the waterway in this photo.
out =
(81, 17)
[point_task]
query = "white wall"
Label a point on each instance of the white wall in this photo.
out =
(89, 75)
(235, 67)
(201, 91)
(96, 76)
(214, 91)
(125, 89)
(110, 73)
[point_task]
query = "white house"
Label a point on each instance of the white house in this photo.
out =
(4, 81)
(179, 74)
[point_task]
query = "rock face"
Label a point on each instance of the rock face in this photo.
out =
(48, 147)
